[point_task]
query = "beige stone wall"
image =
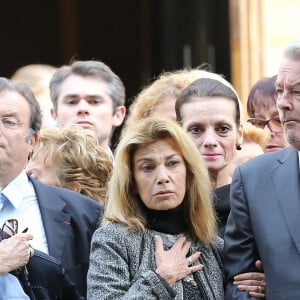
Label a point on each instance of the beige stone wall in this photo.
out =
(259, 30)
(281, 25)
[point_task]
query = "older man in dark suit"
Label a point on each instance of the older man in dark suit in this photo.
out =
(265, 202)
(61, 221)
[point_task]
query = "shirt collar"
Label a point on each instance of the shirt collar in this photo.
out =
(17, 188)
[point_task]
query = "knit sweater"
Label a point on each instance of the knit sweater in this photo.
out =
(122, 266)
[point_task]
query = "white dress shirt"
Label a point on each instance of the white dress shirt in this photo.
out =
(24, 207)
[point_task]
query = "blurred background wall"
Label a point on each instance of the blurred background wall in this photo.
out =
(241, 39)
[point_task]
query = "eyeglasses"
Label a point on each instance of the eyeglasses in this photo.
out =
(10, 123)
(273, 123)
(9, 228)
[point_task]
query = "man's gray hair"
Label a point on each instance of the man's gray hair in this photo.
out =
(292, 50)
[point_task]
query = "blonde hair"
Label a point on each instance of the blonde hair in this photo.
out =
(36, 76)
(253, 134)
(168, 84)
(123, 203)
(76, 157)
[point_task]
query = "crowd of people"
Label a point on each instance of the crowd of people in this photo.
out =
(197, 201)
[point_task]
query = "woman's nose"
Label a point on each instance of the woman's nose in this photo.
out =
(163, 176)
(209, 139)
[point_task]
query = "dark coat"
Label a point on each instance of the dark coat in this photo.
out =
(47, 280)
(70, 220)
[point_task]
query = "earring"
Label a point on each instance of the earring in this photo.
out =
(238, 147)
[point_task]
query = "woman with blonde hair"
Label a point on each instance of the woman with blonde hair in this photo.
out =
(70, 157)
(158, 98)
(158, 238)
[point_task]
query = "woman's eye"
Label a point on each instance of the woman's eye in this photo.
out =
(223, 129)
(172, 163)
(194, 130)
(147, 168)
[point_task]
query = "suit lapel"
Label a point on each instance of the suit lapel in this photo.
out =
(285, 176)
(56, 222)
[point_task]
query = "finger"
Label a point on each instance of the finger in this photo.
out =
(27, 236)
(192, 258)
(189, 260)
(180, 242)
(251, 288)
(23, 236)
(257, 295)
(195, 268)
(186, 247)
(195, 255)
(249, 276)
(249, 282)
(159, 247)
(259, 265)
(247, 288)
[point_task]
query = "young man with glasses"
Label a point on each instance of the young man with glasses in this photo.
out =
(262, 110)
(61, 221)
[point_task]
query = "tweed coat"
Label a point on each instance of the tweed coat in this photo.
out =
(122, 266)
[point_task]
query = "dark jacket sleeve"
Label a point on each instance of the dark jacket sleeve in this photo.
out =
(46, 279)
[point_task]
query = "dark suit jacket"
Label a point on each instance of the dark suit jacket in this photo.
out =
(47, 280)
(70, 220)
(264, 222)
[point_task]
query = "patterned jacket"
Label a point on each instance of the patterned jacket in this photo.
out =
(122, 266)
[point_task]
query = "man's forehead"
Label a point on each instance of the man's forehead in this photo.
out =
(87, 86)
(289, 68)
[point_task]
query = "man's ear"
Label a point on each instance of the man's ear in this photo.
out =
(119, 116)
(31, 143)
(33, 139)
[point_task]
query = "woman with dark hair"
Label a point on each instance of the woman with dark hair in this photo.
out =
(262, 110)
(209, 111)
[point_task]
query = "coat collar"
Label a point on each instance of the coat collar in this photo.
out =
(56, 221)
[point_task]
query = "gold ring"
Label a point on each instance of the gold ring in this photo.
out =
(261, 289)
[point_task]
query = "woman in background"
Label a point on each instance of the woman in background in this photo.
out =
(37, 77)
(262, 111)
(209, 111)
(70, 157)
